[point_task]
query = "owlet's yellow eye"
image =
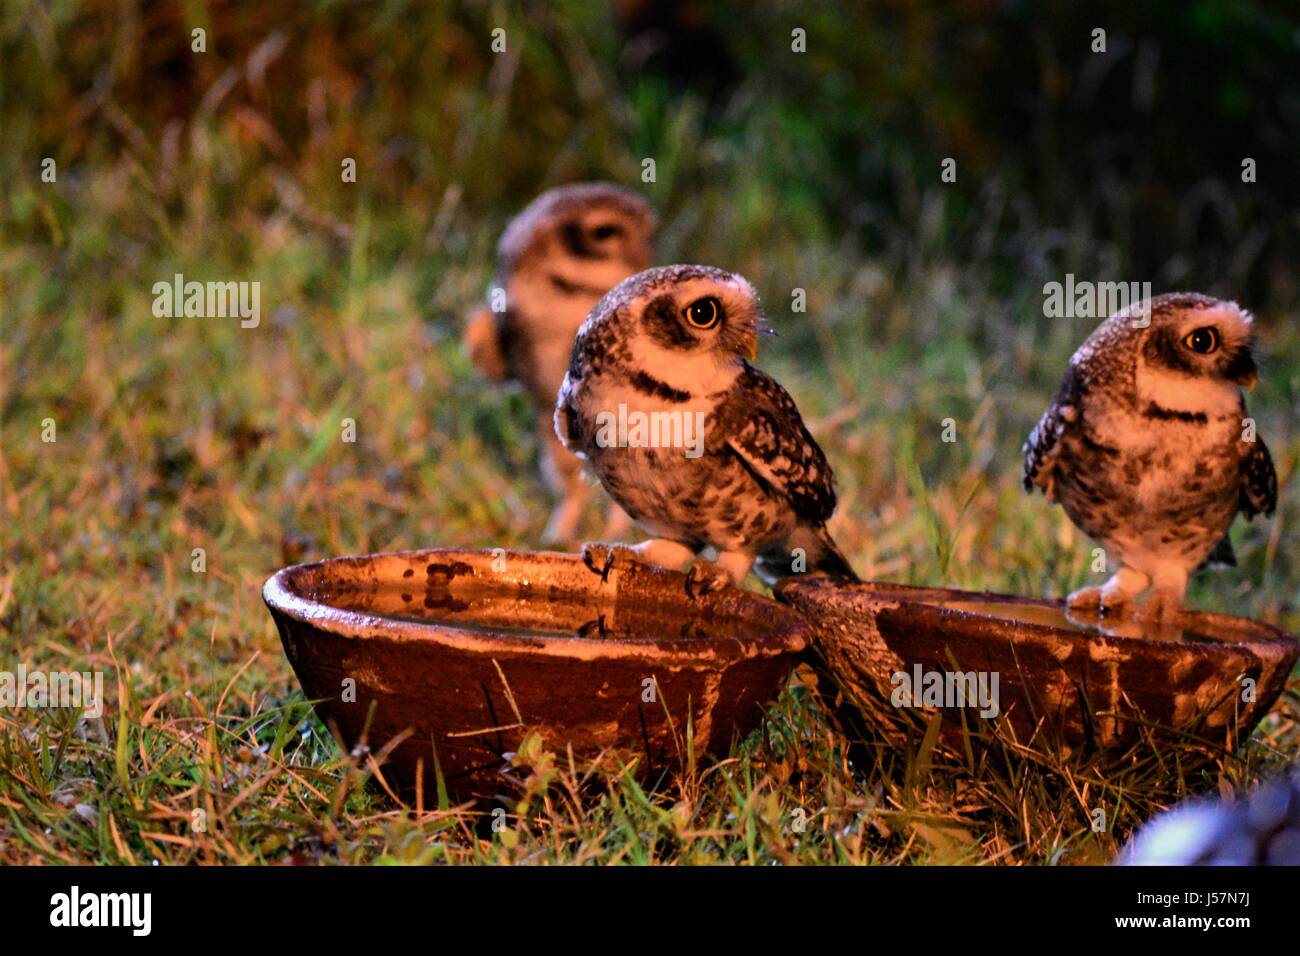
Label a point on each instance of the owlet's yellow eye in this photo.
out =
(1204, 340)
(704, 313)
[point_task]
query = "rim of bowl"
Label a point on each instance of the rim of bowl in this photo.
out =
(788, 632)
(1228, 630)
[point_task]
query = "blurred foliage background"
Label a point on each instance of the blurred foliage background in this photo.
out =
(817, 170)
(1139, 147)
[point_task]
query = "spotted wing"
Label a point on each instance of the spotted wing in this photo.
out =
(1258, 481)
(764, 429)
(1043, 446)
(568, 423)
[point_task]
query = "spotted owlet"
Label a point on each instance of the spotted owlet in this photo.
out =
(555, 260)
(698, 446)
(1147, 446)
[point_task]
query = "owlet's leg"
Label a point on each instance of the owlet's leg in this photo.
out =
(1168, 586)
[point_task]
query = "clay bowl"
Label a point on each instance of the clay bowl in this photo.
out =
(465, 660)
(1089, 683)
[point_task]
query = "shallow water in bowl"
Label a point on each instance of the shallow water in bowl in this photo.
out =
(1085, 623)
(590, 629)
(484, 610)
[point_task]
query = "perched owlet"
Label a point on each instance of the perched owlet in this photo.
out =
(697, 445)
(1147, 446)
(555, 260)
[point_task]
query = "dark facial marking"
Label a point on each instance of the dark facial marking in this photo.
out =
(1162, 347)
(574, 288)
(576, 243)
(661, 323)
(647, 384)
(1169, 414)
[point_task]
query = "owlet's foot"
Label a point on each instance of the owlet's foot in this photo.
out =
(1114, 597)
(602, 558)
(705, 577)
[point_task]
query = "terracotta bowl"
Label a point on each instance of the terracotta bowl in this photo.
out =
(466, 660)
(1081, 682)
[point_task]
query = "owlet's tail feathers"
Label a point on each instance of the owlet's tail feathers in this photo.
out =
(809, 551)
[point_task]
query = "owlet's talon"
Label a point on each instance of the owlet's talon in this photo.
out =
(1099, 601)
(599, 559)
(1114, 598)
(1085, 599)
(602, 558)
(705, 577)
(596, 628)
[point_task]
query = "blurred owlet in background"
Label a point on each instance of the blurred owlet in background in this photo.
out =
(698, 446)
(1147, 447)
(555, 260)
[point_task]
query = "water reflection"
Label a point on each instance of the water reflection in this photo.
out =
(1087, 622)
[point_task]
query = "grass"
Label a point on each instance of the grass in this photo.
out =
(180, 434)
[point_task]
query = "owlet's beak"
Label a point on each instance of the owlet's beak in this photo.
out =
(1248, 375)
(1244, 371)
(763, 329)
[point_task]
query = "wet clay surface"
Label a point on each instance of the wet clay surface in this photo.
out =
(1085, 682)
(462, 657)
